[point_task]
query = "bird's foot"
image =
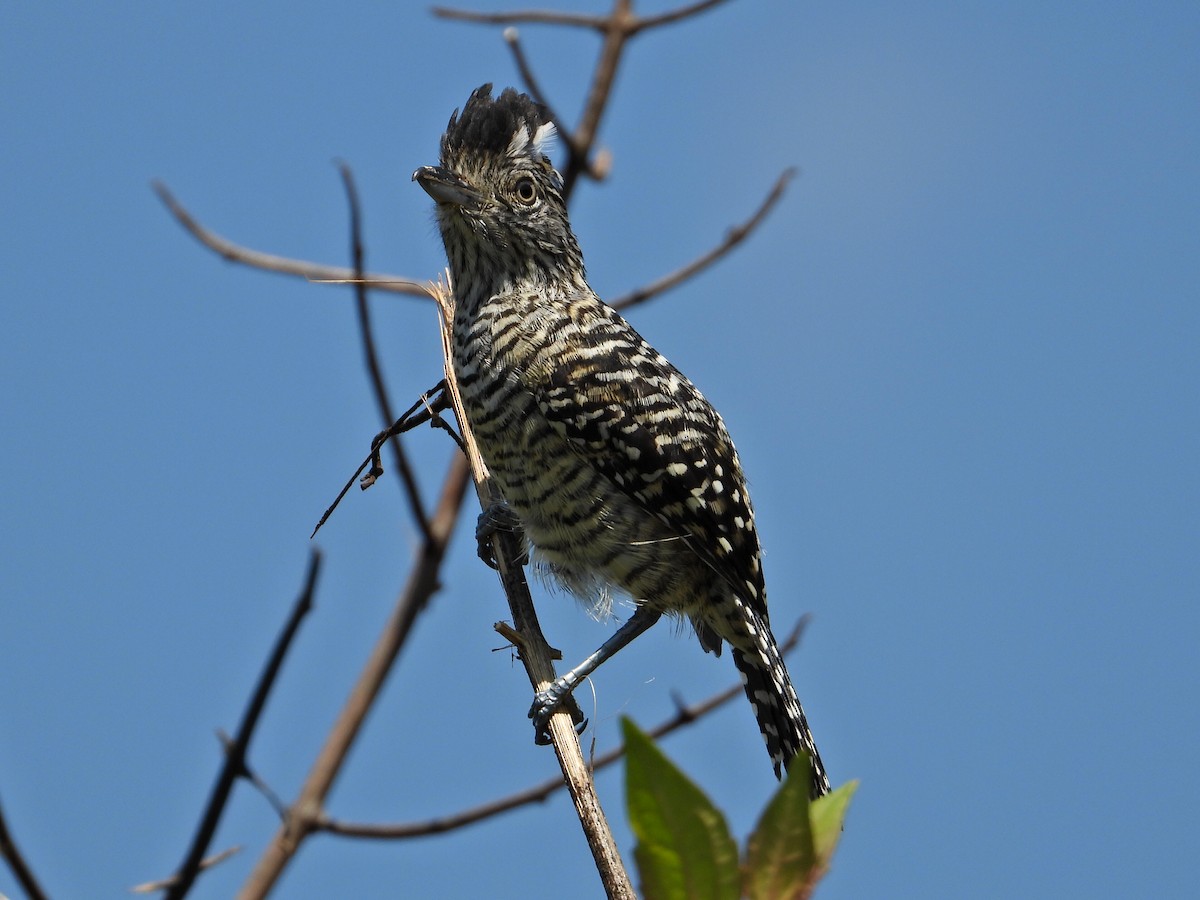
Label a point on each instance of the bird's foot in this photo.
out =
(498, 517)
(546, 703)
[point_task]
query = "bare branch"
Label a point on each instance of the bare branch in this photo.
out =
(733, 237)
(235, 756)
(675, 15)
(153, 887)
(536, 16)
(684, 716)
(314, 272)
(407, 478)
(17, 864)
(513, 38)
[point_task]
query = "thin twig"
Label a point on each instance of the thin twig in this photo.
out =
(284, 265)
(153, 887)
(250, 775)
(684, 715)
(235, 756)
(17, 864)
(424, 410)
(403, 468)
(674, 15)
(513, 38)
(732, 238)
(537, 16)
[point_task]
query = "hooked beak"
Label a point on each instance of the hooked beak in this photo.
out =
(446, 187)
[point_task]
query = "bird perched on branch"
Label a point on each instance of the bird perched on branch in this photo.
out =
(619, 473)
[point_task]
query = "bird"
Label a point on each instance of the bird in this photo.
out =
(620, 475)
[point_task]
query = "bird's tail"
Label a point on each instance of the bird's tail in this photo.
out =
(776, 706)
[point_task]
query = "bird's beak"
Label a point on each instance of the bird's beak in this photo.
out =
(446, 187)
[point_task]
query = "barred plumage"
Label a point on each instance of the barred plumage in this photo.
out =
(621, 473)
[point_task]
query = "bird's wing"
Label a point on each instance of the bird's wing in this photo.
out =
(635, 418)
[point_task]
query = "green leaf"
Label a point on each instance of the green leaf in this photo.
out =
(828, 815)
(684, 849)
(781, 858)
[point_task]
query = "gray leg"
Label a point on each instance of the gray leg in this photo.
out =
(547, 702)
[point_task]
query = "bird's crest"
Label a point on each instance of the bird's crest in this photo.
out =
(511, 124)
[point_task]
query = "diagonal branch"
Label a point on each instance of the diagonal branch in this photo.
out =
(153, 887)
(675, 15)
(733, 237)
(513, 38)
(269, 262)
(235, 757)
(17, 864)
(407, 478)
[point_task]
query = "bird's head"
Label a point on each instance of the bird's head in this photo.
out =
(500, 205)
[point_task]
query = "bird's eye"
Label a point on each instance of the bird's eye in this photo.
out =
(525, 190)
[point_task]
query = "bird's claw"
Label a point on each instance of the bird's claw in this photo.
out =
(498, 517)
(546, 703)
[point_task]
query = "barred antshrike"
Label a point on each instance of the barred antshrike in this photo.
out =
(620, 474)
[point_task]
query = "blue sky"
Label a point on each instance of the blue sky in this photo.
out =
(959, 361)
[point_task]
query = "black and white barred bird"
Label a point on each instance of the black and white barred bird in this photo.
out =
(621, 475)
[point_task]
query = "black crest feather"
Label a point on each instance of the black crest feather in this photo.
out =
(487, 125)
